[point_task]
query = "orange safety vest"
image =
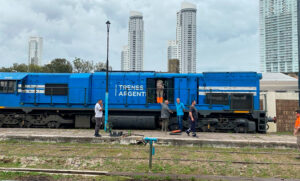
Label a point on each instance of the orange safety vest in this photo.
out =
(297, 123)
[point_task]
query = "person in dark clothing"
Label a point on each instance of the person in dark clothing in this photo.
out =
(193, 117)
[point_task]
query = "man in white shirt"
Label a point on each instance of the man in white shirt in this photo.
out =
(98, 117)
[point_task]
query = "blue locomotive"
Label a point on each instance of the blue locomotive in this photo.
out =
(227, 101)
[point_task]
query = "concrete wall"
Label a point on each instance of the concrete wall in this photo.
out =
(282, 106)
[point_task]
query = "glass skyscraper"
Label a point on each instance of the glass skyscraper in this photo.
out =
(185, 44)
(136, 41)
(35, 48)
(278, 35)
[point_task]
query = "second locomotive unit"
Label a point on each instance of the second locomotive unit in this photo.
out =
(226, 101)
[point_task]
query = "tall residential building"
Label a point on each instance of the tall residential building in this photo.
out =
(136, 41)
(186, 32)
(124, 59)
(178, 38)
(35, 49)
(172, 49)
(278, 35)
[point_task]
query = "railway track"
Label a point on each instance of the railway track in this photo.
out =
(172, 150)
(149, 174)
(164, 159)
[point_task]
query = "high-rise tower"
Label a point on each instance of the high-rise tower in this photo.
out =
(124, 59)
(172, 50)
(186, 33)
(35, 49)
(136, 41)
(278, 35)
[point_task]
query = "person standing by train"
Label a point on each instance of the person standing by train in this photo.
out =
(297, 130)
(98, 117)
(165, 115)
(193, 117)
(180, 112)
(159, 91)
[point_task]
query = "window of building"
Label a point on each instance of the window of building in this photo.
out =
(56, 89)
(7, 86)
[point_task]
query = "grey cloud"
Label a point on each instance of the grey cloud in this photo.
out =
(227, 31)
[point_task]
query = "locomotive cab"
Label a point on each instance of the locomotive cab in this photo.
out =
(155, 90)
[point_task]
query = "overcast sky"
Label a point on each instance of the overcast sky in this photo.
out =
(227, 31)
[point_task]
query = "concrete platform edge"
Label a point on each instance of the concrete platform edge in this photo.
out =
(161, 141)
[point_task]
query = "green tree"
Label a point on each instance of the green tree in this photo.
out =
(58, 65)
(20, 67)
(35, 68)
(82, 66)
(4, 69)
(100, 66)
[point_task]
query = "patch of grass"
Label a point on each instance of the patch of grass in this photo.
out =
(41, 176)
(88, 157)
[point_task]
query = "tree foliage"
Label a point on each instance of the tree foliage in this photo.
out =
(100, 66)
(20, 67)
(83, 66)
(59, 65)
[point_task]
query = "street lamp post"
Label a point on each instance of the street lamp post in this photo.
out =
(106, 93)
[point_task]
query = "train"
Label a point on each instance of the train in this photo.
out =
(226, 101)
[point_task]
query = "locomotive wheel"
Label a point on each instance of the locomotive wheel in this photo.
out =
(173, 127)
(204, 128)
(21, 124)
(26, 124)
(185, 124)
(240, 129)
(212, 128)
(53, 124)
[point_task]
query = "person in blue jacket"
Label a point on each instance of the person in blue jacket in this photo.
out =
(180, 112)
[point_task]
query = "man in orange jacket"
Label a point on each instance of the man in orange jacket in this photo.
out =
(297, 130)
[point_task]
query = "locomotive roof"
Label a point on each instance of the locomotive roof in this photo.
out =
(19, 75)
(12, 75)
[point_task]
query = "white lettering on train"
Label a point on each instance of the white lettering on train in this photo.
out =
(130, 90)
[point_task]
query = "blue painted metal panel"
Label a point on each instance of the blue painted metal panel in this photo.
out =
(127, 90)
(181, 90)
(80, 89)
(35, 88)
(98, 87)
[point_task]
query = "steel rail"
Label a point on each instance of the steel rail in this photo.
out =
(168, 159)
(158, 148)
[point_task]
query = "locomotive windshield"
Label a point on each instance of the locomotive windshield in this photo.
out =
(7, 86)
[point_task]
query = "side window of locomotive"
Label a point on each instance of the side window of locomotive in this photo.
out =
(56, 89)
(3, 86)
(212, 98)
(151, 91)
(242, 101)
(7, 86)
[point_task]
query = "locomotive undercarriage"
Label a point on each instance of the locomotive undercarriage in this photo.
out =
(226, 122)
(215, 122)
(43, 120)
